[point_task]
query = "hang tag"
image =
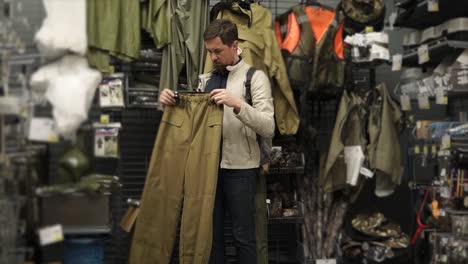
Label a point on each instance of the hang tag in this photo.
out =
(355, 52)
(423, 101)
(104, 119)
(369, 29)
(441, 98)
(445, 142)
(325, 261)
(366, 172)
(42, 129)
(405, 102)
(50, 235)
(442, 212)
(391, 20)
(423, 54)
(443, 172)
(397, 61)
(433, 5)
(417, 149)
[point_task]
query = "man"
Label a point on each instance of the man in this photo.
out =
(240, 156)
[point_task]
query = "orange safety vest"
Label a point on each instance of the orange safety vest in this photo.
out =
(311, 39)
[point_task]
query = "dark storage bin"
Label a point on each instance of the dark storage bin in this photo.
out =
(76, 211)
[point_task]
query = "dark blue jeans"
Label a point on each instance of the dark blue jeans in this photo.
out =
(235, 193)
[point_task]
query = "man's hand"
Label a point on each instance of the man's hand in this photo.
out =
(223, 97)
(167, 97)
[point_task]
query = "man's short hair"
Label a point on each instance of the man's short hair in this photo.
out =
(222, 28)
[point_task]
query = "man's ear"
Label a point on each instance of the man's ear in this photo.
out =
(235, 44)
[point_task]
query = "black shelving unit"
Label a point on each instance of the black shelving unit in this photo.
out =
(418, 16)
(438, 50)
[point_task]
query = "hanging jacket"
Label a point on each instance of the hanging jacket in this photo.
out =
(374, 124)
(259, 49)
(185, 53)
(384, 128)
(107, 35)
(311, 39)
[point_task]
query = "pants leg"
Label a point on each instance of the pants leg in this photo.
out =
(183, 168)
(201, 174)
(239, 193)
(218, 248)
(261, 219)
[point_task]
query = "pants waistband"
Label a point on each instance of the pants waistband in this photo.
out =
(194, 97)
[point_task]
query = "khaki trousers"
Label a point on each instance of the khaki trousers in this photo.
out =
(183, 172)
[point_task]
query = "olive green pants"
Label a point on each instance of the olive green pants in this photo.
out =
(183, 172)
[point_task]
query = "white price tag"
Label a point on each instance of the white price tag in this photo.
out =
(445, 142)
(443, 172)
(441, 98)
(366, 172)
(405, 103)
(391, 19)
(433, 5)
(423, 101)
(442, 212)
(397, 61)
(355, 52)
(325, 261)
(43, 130)
(50, 235)
(423, 54)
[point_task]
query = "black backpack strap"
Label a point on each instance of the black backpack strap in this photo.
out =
(248, 85)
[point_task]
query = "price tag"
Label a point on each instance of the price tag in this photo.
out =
(355, 52)
(417, 149)
(441, 98)
(442, 212)
(425, 149)
(397, 61)
(369, 29)
(50, 235)
(53, 138)
(445, 142)
(434, 149)
(405, 103)
(391, 19)
(104, 119)
(443, 172)
(423, 54)
(433, 5)
(423, 101)
(325, 261)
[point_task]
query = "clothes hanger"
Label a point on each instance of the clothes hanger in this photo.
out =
(317, 4)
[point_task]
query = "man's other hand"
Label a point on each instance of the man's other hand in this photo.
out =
(223, 97)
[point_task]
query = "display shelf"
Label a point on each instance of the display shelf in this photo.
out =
(79, 230)
(438, 50)
(286, 220)
(417, 16)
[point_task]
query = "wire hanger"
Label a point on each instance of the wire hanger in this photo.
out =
(317, 4)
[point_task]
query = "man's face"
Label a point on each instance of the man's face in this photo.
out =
(221, 54)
